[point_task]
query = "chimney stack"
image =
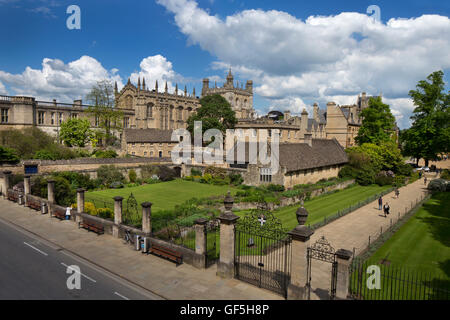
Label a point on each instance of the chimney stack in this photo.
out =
(308, 139)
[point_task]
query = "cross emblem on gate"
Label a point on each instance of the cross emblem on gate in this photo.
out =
(262, 220)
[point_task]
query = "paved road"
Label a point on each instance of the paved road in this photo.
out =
(31, 268)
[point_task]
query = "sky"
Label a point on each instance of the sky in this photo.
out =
(296, 52)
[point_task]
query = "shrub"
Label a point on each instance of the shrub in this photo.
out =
(116, 185)
(64, 194)
(105, 213)
(348, 171)
(383, 180)
(132, 176)
(445, 174)
(105, 154)
(439, 185)
(166, 174)
(275, 187)
(236, 179)
(216, 172)
(196, 172)
(207, 177)
(8, 155)
(78, 180)
(405, 169)
(109, 174)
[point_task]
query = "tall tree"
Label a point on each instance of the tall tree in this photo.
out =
(378, 124)
(215, 113)
(76, 132)
(429, 134)
(102, 101)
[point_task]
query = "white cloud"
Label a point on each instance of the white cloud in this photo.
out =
(322, 57)
(58, 80)
(157, 68)
(3, 89)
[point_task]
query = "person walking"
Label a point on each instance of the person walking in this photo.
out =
(68, 209)
(386, 209)
(397, 192)
(425, 181)
(380, 203)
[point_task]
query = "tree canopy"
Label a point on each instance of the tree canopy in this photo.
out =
(378, 124)
(76, 132)
(102, 100)
(215, 113)
(429, 134)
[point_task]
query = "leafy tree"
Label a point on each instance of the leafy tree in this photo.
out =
(429, 134)
(103, 108)
(215, 113)
(378, 123)
(76, 132)
(8, 155)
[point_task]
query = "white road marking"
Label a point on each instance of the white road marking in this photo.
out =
(123, 297)
(42, 252)
(65, 265)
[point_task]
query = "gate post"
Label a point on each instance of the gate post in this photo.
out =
(80, 204)
(297, 289)
(200, 243)
(6, 183)
(342, 275)
(225, 266)
(147, 217)
(51, 191)
(117, 215)
(26, 187)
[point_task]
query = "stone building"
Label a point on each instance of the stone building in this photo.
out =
(152, 143)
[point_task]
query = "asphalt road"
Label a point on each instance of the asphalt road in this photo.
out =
(31, 268)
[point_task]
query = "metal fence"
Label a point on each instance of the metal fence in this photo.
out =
(386, 282)
(341, 213)
(169, 230)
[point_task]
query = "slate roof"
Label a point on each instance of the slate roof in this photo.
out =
(148, 135)
(300, 156)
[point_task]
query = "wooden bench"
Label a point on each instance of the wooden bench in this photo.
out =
(34, 204)
(12, 196)
(91, 226)
(58, 213)
(166, 253)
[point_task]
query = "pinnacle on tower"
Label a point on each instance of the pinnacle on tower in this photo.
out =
(176, 89)
(115, 87)
(129, 82)
(143, 83)
(165, 89)
(193, 92)
(139, 83)
(156, 86)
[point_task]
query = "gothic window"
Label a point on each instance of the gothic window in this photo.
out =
(265, 174)
(180, 113)
(41, 115)
(129, 102)
(150, 110)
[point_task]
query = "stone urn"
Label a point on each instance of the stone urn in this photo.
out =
(228, 202)
(302, 215)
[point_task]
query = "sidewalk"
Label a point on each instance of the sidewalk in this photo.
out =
(155, 274)
(351, 232)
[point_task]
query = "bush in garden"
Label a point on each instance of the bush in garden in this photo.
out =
(196, 172)
(275, 187)
(105, 213)
(216, 172)
(383, 179)
(109, 174)
(236, 179)
(132, 176)
(439, 185)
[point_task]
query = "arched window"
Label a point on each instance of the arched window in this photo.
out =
(180, 113)
(150, 110)
(129, 102)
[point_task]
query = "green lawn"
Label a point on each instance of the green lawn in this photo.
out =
(325, 205)
(163, 195)
(421, 247)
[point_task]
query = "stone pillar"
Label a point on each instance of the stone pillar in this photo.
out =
(297, 289)
(6, 183)
(200, 242)
(147, 217)
(51, 191)
(26, 187)
(117, 215)
(225, 266)
(80, 204)
(301, 234)
(344, 258)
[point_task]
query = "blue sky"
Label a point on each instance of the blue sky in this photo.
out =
(296, 52)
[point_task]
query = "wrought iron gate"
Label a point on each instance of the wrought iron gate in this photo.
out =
(322, 250)
(263, 251)
(212, 234)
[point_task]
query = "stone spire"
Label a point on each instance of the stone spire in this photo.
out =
(166, 89)
(156, 86)
(115, 87)
(230, 78)
(193, 92)
(143, 83)
(185, 91)
(129, 82)
(139, 83)
(176, 89)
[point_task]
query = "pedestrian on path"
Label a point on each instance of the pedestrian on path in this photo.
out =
(425, 181)
(68, 209)
(386, 209)
(397, 192)
(380, 203)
